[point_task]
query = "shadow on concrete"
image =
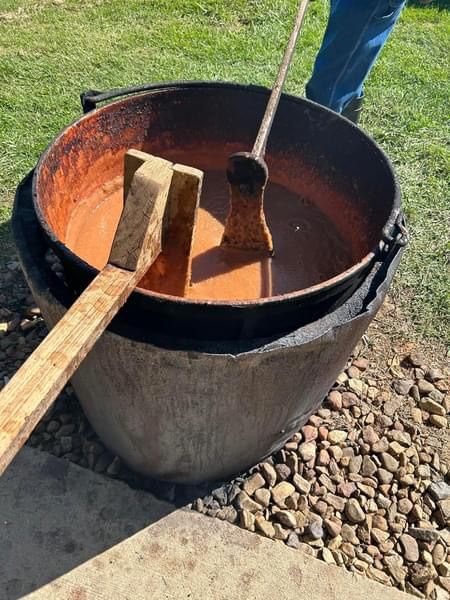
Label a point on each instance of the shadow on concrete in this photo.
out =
(55, 515)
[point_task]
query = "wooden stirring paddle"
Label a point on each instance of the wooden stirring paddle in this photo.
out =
(247, 173)
(156, 189)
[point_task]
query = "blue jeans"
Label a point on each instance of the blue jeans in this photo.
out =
(356, 32)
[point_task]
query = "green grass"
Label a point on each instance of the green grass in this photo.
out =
(52, 50)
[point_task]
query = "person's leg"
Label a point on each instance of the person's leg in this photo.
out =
(356, 32)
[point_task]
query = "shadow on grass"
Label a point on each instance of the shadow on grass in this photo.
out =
(7, 248)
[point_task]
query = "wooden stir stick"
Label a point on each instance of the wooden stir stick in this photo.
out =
(156, 188)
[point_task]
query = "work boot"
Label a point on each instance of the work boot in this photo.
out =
(353, 109)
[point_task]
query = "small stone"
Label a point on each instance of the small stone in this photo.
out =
(323, 458)
(247, 520)
(425, 387)
(378, 575)
(102, 462)
(409, 547)
(432, 407)
(396, 448)
(283, 471)
(402, 386)
(269, 474)
(434, 374)
(262, 496)
(66, 444)
(336, 502)
(389, 462)
(337, 436)
(381, 446)
(333, 527)
(438, 421)
(327, 483)
(443, 515)
(280, 532)
(444, 582)
(395, 568)
(52, 426)
(264, 526)
(416, 415)
(348, 534)
(368, 466)
(327, 556)
(416, 359)
(342, 378)
(348, 549)
(307, 451)
(346, 489)
(405, 506)
(244, 502)
(354, 512)
(281, 491)
(379, 522)
(292, 502)
(114, 467)
(361, 363)
(437, 396)
(384, 476)
(370, 436)
(349, 399)
(444, 569)
(65, 430)
(252, 484)
(335, 400)
(309, 433)
(420, 574)
(336, 452)
(293, 541)
(286, 518)
(379, 536)
(391, 406)
(424, 534)
(315, 530)
(356, 385)
(355, 464)
(423, 471)
(302, 485)
(439, 553)
(439, 490)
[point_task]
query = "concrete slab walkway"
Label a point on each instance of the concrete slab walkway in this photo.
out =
(69, 534)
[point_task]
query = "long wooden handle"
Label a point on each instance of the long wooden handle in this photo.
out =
(32, 390)
(136, 245)
(153, 183)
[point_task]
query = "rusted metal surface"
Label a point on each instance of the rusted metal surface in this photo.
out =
(312, 151)
(188, 410)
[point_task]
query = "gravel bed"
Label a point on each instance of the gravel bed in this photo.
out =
(364, 484)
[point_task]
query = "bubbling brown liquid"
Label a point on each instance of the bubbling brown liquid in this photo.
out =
(308, 248)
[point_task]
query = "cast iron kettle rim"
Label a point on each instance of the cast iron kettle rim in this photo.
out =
(89, 100)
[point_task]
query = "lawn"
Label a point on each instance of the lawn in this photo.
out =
(52, 50)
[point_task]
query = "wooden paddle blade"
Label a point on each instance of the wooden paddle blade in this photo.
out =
(173, 268)
(246, 227)
(138, 237)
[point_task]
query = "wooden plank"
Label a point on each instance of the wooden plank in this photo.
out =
(172, 269)
(29, 394)
(138, 235)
